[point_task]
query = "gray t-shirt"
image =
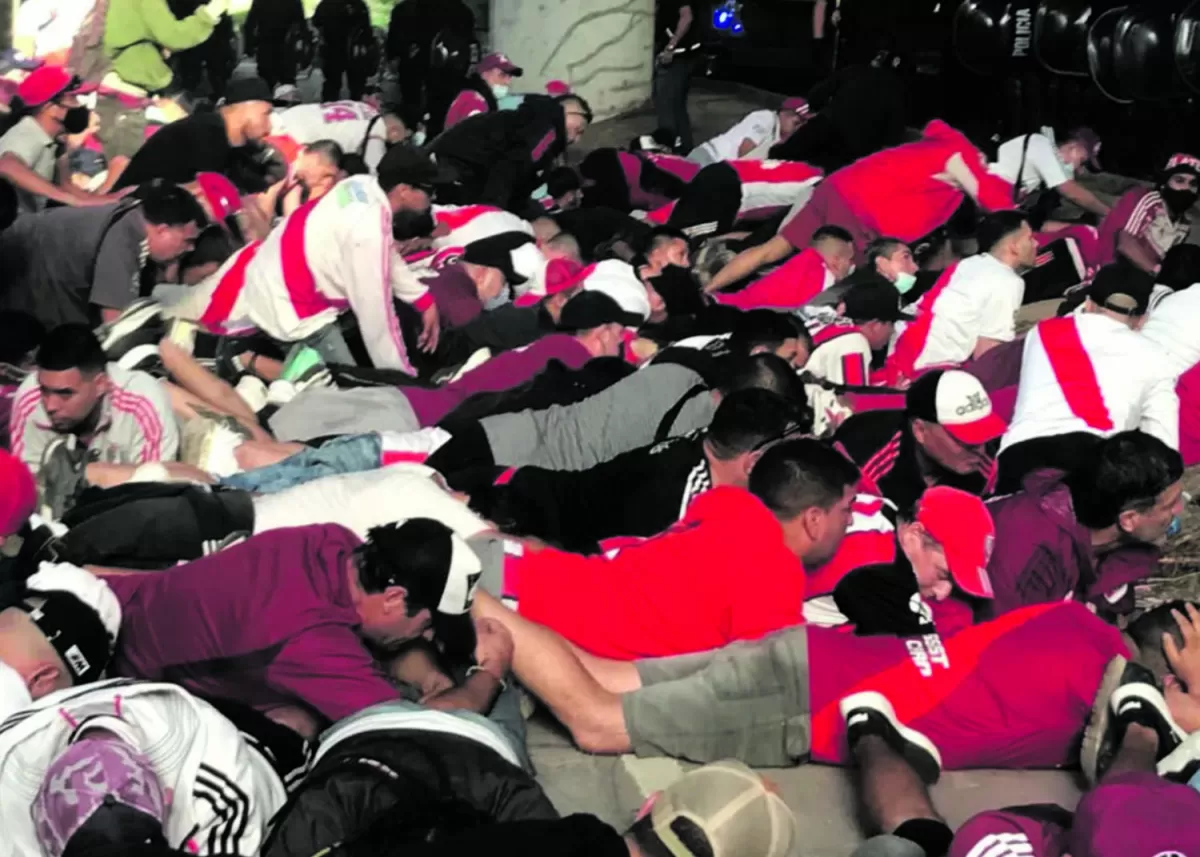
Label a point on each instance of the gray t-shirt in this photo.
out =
(59, 261)
(29, 142)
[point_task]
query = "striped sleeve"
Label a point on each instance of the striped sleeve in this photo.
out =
(153, 434)
(1143, 214)
(27, 441)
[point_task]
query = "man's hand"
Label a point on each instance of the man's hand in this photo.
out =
(1183, 708)
(493, 647)
(1185, 660)
(666, 57)
(431, 325)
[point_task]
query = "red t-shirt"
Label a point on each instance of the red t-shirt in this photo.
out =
(723, 573)
(908, 191)
(1011, 693)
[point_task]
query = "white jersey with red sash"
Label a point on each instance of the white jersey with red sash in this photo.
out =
(841, 354)
(1091, 373)
(972, 299)
(768, 187)
(347, 123)
(332, 254)
(466, 223)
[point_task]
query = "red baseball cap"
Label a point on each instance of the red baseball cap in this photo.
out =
(499, 61)
(558, 87)
(18, 493)
(963, 526)
(561, 274)
(47, 83)
(797, 105)
(220, 194)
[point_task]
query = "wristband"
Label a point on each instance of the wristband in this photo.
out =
(478, 669)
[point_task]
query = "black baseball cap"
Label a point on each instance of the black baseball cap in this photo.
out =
(75, 630)
(247, 89)
(496, 251)
(873, 300)
(591, 309)
(409, 165)
(1122, 289)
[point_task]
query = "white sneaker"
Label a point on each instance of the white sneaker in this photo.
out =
(253, 391)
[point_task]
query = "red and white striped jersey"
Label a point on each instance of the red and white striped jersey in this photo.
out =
(841, 354)
(973, 299)
(467, 223)
(1091, 373)
(136, 425)
(329, 255)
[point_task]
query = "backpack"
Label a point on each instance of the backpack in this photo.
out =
(87, 58)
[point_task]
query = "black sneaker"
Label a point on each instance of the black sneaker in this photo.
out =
(140, 324)
(870, 713)
(1128, 693)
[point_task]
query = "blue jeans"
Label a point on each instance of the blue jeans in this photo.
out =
(350, 454)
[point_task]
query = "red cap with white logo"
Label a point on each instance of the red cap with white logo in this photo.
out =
(963, 526)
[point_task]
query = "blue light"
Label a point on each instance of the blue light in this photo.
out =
(722, 18)
(737, 29)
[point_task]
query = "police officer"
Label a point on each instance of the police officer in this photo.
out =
(267, 35)
(341, 24)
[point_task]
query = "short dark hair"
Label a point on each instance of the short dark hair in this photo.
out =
(656, 237)
(410, 115)
(214, 244)
(1126, 471)
(353, 164)
(830, 232)
(20, 335)
(747, 419)
(578, 101)
(71, 346)
(330, 150)
(167, 204)
(407, 554)
(996, 226)
(1147, 633)
(766, 328)
(561, 181)
(760, 372)
(1180, 267)
(881, 248)
(799, 474)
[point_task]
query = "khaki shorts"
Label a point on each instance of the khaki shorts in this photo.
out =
(747, 701)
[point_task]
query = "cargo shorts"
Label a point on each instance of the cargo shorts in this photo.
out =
(746, 701)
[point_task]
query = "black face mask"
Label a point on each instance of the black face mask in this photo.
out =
(76, 119)
(680, 290)
(407, 223)
(1178, 201)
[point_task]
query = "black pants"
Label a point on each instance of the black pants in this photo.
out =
(710, 203)
(276, 59)
(671, 85)
(335, 65)
(211, 59)
(1065, 452)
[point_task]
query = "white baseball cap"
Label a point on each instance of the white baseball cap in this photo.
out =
(620, 282)
(958, 402)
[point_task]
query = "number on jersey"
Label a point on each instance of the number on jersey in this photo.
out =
(342, 111)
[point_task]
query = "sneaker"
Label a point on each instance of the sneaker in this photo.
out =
(61, 477)
(302, 361)
(253, 391)
(144, 358)
(1128, 693)
(182, 332)
(870, 713)
(209, 443)
(140, 324)
(1182, 763)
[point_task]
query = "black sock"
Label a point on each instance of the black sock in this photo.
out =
(934, 837)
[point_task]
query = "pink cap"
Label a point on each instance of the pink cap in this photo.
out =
(47, 83)
(558, 87)
(18, 493)
(963, 526)
(220, 194)
(501, 62)
(561, 274)
(1183, 161)
(797, 105)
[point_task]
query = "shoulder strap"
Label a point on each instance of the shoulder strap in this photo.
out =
(362, 147)
(1016, 193)
(664, 427)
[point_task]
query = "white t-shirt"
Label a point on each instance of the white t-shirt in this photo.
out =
(360, 501)
(51, 24)
(980, 299)
(1130, 385)
(1173, 325)
(761, 126)
(344, 122)
(1042, 165)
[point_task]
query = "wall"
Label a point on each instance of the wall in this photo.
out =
(603, 48)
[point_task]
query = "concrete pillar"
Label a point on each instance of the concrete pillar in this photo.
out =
(603, 48)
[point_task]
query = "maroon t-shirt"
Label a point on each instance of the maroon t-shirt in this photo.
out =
(268, 622)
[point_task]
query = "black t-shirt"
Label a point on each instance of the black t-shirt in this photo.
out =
(666, 18)
(884, 599)
(194, 144)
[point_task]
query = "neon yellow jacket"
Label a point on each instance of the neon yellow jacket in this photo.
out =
(137, 31)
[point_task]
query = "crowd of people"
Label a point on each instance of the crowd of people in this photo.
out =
(330, 453)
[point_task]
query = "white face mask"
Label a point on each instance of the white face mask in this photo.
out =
(904, 282)
(418, 139)
(500, 90)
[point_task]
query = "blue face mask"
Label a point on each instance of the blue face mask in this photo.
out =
(500, 90)
(1175, 528)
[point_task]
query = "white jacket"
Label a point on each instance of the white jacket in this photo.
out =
(223, 792)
